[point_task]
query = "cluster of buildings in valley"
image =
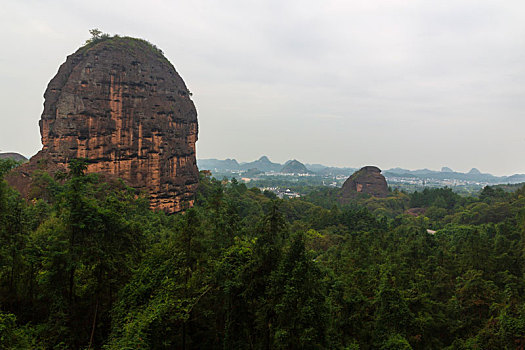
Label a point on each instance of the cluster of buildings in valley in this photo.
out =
(263, 173)
(432, 182)
(281, 193)
(273, 173)
(402, 183)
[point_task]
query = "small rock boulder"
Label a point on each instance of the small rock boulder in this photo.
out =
(366, 180)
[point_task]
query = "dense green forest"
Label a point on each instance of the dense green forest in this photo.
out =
(87, 265)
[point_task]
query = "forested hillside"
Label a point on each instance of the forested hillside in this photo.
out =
(87, 265)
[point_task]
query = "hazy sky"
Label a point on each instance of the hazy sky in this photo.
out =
(346, 83)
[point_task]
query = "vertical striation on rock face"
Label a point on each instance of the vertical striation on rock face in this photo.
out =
(367, 180)
(121, 104)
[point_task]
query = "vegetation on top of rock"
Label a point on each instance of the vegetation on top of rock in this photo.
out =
(96, 36)
(365, 170)
(122, 42)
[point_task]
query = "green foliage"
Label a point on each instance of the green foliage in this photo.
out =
(396, 342)
(125, 43)
(299, 294)
(87, 264)
(438, 197)
(96, 36)
(6, 165)
(7, 329)
(392, 313)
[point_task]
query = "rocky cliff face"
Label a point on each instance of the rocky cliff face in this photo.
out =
(366, 180)
(121, 104)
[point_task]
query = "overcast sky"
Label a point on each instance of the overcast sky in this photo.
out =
(415, 84)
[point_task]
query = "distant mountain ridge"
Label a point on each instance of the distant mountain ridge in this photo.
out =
(295, 167)
(211, 164)
(16, 156)
(474, 171)
(264, 164)
(473, 175)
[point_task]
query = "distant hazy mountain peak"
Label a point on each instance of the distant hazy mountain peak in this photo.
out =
(398, 170)
(211, 164)
(474, 171)
(294, 166)
(13, 155)
(263, 164)
(315, 167)
(422, 171)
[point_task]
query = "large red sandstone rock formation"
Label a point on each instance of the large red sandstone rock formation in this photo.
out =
(367, 180)
(120, 103)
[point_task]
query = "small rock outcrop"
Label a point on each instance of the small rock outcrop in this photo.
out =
(366, 180)
(120, 103)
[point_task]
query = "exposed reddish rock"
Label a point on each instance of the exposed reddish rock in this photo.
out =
(366, 180)
(120, 103)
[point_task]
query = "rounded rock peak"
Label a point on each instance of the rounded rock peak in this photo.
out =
(367, 180)
(118, 102)
(371, 169)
